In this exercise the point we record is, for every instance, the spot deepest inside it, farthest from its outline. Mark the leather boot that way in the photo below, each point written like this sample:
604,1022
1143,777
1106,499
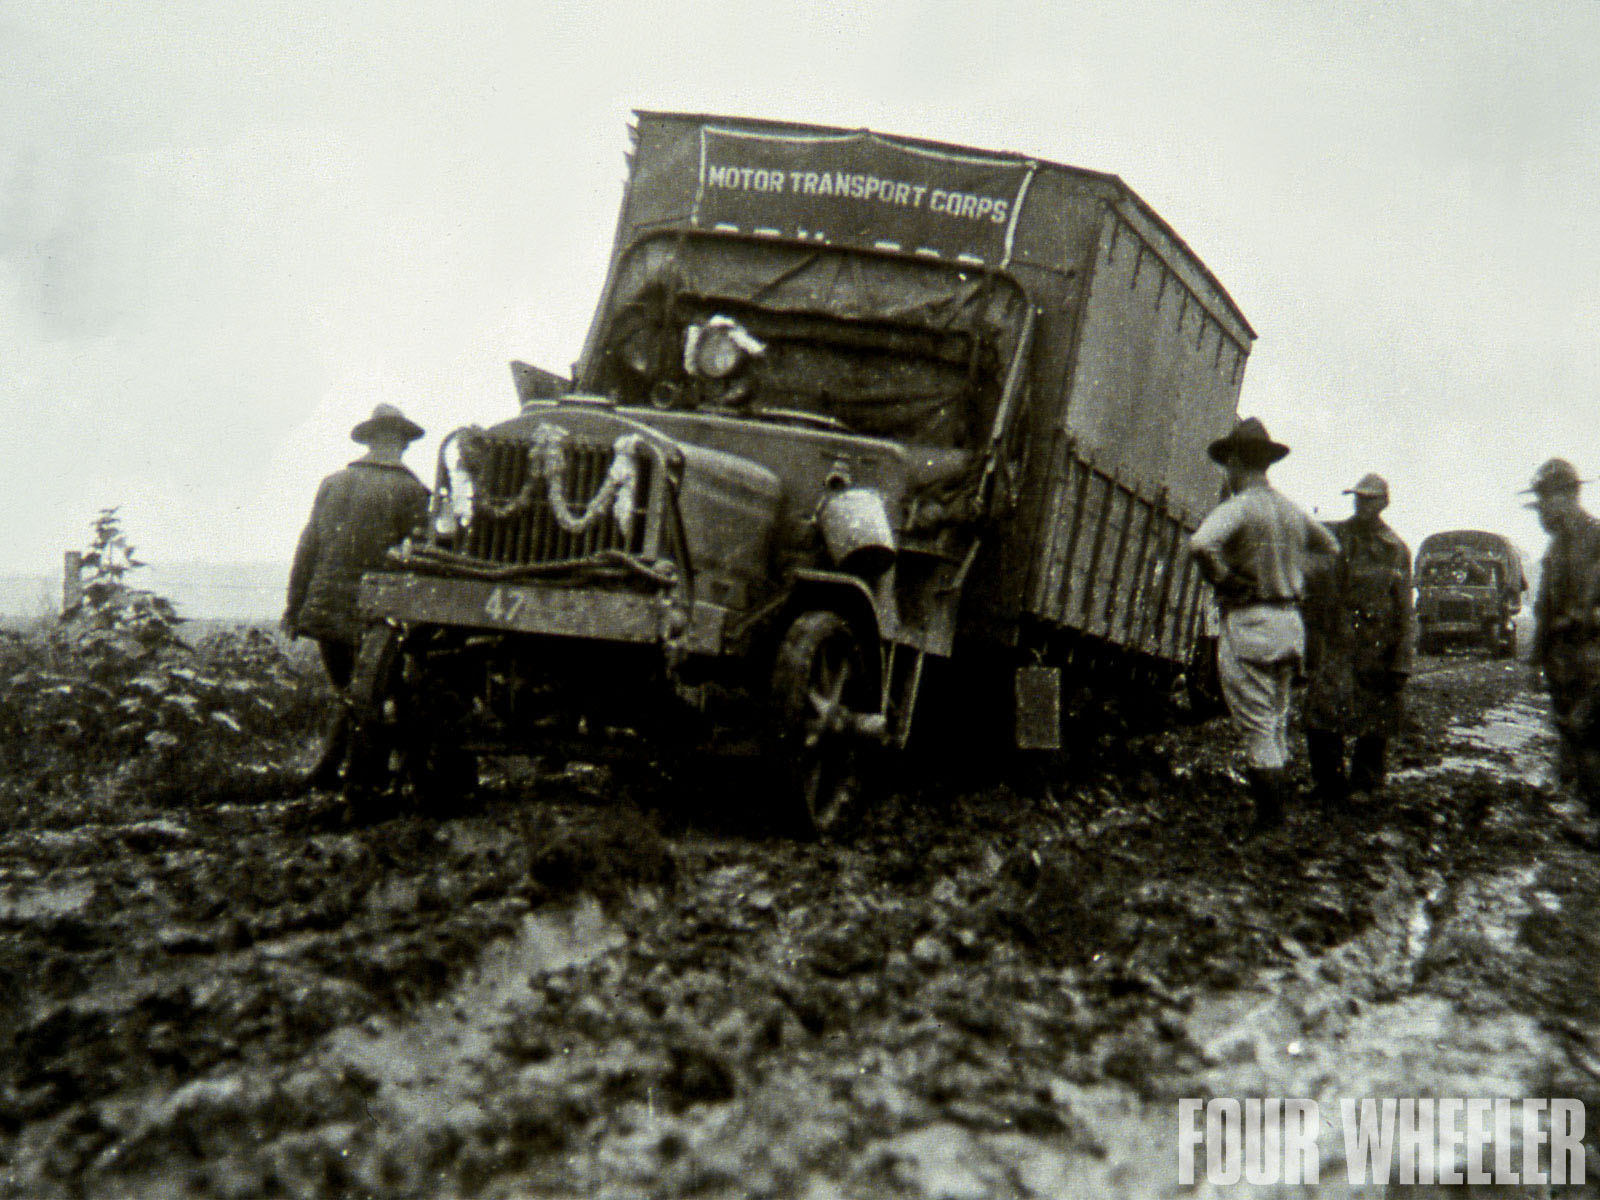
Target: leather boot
1267,786
1586,777
1367,766
1325,751
328,771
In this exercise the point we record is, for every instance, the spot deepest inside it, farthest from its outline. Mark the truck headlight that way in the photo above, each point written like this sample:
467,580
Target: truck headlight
718,348
856,529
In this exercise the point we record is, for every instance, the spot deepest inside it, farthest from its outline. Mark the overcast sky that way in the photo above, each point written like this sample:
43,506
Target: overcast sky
227,230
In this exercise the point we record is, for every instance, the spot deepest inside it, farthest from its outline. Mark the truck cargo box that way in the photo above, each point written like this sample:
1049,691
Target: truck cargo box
1135,351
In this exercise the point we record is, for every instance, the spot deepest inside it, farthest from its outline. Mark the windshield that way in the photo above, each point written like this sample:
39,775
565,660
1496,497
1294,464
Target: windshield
879,346
1460,572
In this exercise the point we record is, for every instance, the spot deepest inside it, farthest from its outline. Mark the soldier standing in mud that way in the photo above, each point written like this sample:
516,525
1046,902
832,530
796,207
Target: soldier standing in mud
1566,631
1360,640
1255,550
359,513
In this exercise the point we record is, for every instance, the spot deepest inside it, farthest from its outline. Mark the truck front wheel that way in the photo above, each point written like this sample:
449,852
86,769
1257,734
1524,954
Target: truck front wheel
374,716
401,730
1505,641
820,683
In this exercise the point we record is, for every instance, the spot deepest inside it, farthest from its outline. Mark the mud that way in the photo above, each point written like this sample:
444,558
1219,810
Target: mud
998,992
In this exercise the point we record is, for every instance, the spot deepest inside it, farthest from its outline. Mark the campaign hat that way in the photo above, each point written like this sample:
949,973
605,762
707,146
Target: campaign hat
1554,475
386,418
1250,442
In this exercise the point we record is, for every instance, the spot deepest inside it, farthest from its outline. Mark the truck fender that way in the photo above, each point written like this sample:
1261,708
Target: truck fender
851,598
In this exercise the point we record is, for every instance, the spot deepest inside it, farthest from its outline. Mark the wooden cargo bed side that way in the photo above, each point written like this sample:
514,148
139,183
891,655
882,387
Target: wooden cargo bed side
1155,377
1119,569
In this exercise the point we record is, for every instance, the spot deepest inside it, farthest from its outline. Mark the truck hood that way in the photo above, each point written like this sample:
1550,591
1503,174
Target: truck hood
798,463
727,505
752,492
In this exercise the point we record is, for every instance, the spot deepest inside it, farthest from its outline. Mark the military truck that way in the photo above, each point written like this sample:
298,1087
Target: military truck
1469,590
860,420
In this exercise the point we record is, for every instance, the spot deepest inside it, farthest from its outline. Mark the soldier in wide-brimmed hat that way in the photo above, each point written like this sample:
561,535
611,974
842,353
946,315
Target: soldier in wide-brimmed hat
1360,639
360,512
1566,622
1247,443
1255,549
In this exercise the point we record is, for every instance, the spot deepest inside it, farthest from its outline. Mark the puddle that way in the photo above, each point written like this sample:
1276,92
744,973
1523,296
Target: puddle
1457,764
1511,742
1491,908
47,902
1510,727
425,1064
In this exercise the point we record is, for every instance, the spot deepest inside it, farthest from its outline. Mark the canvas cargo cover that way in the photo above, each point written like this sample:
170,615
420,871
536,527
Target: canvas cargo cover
878,191
1477,543
860,189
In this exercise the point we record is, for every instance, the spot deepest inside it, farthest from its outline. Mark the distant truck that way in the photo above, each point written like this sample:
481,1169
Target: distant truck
1469,590
858,418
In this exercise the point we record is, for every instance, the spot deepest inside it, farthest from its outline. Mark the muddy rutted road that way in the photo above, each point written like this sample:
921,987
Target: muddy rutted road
1000,993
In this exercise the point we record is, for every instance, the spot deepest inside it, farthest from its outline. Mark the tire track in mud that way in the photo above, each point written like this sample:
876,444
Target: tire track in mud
994,993
215,939
1434,999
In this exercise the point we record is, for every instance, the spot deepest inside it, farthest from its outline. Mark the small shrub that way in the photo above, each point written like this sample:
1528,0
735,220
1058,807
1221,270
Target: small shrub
115,686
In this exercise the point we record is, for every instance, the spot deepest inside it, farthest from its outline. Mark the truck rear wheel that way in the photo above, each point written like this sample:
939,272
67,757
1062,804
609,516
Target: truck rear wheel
819,682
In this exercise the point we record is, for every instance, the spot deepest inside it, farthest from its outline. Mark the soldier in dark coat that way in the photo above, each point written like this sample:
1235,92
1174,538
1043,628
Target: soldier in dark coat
1566,613
1360,640
360,512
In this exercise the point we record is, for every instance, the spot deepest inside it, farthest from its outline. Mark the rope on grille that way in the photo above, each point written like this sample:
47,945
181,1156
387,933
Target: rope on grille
549,461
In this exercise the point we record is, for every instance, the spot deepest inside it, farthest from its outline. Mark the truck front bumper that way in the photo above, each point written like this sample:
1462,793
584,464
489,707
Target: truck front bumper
1454,628
604,614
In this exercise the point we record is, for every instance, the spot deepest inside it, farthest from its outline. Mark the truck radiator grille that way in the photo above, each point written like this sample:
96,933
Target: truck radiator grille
1455,610
532,534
